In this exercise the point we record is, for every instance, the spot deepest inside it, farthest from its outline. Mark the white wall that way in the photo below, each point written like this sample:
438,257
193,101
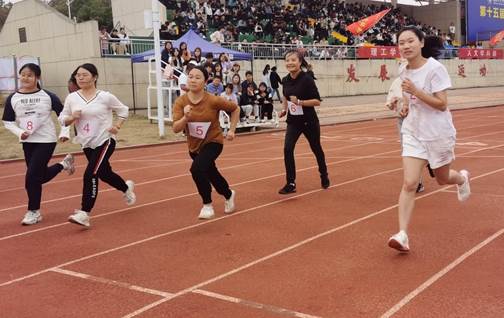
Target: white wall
130,13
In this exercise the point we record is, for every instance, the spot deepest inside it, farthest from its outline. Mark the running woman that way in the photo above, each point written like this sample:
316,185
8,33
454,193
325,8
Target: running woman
428,131
301,96
197,112
90,110
395,101
27,115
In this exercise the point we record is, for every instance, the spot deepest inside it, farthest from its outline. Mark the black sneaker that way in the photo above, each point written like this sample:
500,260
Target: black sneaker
431,172
420,188
324,181
288,188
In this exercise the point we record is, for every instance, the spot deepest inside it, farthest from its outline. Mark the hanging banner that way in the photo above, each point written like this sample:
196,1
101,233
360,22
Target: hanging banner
481,54
378,52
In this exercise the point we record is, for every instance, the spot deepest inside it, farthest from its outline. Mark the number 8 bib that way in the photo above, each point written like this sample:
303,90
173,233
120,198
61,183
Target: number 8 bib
198,129
29,123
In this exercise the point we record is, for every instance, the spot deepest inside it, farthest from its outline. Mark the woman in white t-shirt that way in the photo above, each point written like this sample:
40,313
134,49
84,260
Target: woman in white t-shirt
91,112
27,114
428,132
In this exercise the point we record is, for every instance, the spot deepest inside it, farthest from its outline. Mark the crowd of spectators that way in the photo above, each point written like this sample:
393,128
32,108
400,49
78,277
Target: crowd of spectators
297,21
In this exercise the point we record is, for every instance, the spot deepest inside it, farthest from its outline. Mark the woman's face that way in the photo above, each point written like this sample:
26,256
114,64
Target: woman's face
262,88
28,79
168,46
236,80
197,52
196,80
85,79
410,45
292,62
176,52
183,46
218,67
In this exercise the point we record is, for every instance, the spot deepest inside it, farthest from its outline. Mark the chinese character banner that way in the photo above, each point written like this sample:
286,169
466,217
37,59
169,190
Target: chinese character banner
484,19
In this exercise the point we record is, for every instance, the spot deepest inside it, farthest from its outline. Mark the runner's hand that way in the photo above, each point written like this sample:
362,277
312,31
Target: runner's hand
282,113
230,135
188,111
404,111
25,135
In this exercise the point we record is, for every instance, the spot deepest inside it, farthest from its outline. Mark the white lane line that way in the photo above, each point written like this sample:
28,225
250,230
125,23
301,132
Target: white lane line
111,282
285,250
439,275
192,226
247,303
180,176
179,197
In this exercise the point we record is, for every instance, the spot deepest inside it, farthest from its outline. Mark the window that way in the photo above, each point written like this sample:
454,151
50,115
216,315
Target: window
22,35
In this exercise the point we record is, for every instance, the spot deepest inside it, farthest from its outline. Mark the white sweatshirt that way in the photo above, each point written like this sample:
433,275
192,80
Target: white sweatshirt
96,117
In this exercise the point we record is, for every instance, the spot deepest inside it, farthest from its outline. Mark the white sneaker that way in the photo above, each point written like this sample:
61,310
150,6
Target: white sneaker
464,190
207,212
79,217
400,242
129,195
32,217
229,205
68,164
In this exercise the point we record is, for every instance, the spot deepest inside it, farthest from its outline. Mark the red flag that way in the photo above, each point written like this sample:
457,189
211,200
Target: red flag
497,38
366,23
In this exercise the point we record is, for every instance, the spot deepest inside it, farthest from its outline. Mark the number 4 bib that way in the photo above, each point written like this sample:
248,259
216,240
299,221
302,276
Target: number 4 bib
295,109
86,128
198,129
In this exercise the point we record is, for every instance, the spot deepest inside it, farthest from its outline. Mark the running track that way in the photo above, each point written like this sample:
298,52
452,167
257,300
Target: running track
318,253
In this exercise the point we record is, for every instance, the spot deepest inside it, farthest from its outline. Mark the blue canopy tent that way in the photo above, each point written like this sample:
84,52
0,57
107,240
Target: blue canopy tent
193,41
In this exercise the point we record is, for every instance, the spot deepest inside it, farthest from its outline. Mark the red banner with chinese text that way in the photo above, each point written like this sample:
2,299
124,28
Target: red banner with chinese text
482,54
378,52
366,23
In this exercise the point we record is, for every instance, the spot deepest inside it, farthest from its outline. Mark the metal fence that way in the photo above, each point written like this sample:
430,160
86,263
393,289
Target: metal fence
258,50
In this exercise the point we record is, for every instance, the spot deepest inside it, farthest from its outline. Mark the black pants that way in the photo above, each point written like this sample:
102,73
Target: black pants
205,174
99,168
267,111
37,156
311,131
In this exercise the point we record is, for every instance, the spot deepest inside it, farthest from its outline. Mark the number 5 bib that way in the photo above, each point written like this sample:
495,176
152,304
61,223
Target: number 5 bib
198,129
295,109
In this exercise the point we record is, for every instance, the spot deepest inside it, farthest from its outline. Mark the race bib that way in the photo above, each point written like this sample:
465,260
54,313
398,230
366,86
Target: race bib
87,128
295,109
198,129
30,123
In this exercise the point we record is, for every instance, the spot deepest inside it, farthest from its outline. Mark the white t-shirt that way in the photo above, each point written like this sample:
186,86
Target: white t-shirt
231,98
96,117
31,113
423,121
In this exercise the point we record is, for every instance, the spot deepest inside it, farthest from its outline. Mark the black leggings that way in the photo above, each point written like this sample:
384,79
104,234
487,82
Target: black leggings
37,156
99,168
205,174
311,130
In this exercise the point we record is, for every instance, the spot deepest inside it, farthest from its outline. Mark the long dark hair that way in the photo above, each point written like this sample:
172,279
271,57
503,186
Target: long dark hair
300,55
432,44
91,68
35,69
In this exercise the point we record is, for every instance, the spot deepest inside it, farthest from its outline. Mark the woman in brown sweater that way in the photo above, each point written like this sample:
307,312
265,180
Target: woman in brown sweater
197,112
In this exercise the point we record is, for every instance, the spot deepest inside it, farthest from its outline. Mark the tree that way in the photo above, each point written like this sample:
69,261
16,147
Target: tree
4,12
85,10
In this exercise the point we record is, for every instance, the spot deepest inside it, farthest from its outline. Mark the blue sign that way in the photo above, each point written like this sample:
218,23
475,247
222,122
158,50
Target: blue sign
484,19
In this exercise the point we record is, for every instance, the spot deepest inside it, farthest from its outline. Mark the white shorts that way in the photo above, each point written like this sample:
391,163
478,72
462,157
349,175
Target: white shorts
437,152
